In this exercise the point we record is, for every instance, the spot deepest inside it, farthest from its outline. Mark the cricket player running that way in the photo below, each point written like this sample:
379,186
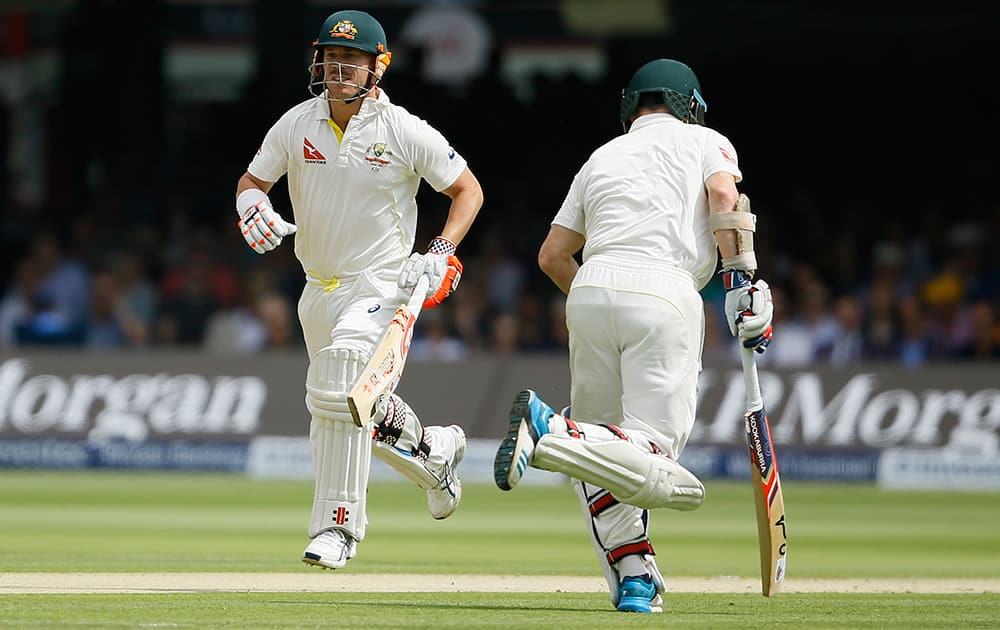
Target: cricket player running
644,209
354,161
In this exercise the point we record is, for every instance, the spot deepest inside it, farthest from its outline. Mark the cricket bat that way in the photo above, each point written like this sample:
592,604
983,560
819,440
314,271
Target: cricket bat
385,367
766,484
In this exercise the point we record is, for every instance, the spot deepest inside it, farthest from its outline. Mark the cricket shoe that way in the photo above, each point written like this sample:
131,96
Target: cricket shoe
636,594
443,499
528,422
330,550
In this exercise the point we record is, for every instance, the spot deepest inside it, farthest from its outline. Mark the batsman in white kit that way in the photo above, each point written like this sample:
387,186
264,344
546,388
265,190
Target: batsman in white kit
650,209
354,161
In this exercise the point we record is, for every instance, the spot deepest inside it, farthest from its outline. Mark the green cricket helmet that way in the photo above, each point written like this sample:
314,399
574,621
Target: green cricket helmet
675,82
353,29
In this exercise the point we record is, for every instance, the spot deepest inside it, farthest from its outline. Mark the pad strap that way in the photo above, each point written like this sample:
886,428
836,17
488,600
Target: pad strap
601,503
643,547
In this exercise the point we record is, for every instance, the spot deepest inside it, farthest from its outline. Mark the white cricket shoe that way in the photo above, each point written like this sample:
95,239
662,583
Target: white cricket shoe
443,499
330,550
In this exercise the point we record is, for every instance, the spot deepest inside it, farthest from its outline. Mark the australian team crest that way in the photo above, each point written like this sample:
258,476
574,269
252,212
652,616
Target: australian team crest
345,29
378,155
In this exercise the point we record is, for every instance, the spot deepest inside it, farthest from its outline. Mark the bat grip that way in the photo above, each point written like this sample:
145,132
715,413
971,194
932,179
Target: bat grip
755,401
418,296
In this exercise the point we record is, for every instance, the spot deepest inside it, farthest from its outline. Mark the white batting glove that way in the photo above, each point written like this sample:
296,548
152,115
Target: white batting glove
441,266
262,227
749,309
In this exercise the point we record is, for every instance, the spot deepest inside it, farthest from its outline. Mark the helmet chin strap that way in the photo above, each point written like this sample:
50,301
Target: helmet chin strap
350,99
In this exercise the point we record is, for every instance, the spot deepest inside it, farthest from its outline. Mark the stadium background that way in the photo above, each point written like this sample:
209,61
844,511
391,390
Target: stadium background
866,137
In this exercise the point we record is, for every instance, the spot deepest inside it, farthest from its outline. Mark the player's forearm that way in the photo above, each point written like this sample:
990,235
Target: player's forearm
556,256
248,181
466,200
559,265
464,208
561,270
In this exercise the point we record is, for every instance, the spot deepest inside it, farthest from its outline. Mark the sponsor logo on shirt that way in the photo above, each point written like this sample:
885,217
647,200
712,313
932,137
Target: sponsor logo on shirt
378,155
726,154
451,153
311,153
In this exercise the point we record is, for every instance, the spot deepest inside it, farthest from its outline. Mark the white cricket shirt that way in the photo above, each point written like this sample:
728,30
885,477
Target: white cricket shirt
353,198
640,199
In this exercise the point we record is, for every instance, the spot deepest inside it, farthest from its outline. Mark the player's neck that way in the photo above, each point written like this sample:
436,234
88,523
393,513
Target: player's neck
341,112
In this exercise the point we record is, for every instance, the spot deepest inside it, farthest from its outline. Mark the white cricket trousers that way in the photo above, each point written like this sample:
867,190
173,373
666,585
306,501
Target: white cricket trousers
353,315
635,344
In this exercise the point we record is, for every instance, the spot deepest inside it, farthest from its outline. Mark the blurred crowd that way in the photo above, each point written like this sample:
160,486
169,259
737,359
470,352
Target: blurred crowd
135,245
903,306
908,298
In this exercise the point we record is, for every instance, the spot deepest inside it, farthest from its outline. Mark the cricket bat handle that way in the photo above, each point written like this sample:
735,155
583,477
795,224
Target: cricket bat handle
416,302
755,401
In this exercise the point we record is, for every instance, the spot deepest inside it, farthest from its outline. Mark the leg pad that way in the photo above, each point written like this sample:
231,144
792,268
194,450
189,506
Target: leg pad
632,475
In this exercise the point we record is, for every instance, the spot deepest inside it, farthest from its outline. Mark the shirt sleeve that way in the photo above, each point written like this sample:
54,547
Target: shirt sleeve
432,157
271,160
570,215
720,156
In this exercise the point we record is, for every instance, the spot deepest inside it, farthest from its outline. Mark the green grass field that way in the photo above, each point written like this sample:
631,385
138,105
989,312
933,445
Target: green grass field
81,522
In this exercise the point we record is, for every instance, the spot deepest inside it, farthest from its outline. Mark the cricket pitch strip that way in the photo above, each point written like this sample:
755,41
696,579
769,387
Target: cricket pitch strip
340,582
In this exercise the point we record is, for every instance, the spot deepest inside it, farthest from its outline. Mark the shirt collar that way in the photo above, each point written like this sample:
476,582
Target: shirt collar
322,110
653,119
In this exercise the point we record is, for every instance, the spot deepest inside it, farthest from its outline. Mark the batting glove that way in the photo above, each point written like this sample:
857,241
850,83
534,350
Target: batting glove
261,226
441,266
749,310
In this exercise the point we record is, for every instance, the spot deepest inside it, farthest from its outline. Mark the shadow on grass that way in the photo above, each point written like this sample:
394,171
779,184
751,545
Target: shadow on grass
514,606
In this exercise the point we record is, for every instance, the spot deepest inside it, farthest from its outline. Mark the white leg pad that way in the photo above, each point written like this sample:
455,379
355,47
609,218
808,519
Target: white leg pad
403,444
632,475
405,463
621,525
341,451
